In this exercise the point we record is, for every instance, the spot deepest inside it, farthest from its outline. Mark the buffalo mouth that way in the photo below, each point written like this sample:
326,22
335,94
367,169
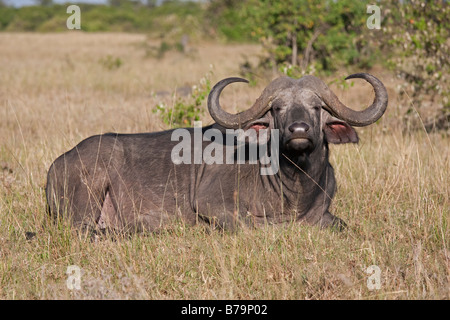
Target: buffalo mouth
299,144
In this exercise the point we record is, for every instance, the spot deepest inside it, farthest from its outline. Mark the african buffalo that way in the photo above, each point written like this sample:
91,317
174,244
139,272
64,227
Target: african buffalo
130,182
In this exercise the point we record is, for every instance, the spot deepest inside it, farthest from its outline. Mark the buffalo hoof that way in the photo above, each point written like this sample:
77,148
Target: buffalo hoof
330,221
338,224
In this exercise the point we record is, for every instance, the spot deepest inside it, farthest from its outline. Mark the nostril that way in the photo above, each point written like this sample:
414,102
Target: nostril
304,126
299,126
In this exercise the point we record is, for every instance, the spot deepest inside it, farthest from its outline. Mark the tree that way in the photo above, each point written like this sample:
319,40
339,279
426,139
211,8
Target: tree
151,3
307,34
416,42
45,3
120,3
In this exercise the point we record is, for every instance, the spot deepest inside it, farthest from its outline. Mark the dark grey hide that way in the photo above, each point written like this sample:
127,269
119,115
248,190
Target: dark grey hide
128,182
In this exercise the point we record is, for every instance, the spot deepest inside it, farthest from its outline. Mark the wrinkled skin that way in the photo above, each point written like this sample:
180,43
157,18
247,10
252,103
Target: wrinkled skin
128,182
305,173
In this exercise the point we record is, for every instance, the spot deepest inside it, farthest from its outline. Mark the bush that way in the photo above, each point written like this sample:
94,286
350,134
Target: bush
29,18
6,16
127,16
185,111
111,63
416,42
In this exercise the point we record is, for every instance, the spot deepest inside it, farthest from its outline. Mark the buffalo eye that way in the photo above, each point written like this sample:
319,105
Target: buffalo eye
277,107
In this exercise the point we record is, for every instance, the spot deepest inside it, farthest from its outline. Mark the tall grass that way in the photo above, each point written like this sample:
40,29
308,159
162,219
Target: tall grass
393,189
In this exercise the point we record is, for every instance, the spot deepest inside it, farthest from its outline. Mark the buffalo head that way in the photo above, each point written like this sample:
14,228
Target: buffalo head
305,111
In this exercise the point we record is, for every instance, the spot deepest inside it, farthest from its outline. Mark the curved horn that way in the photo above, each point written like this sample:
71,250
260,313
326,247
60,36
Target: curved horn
234,121
353,117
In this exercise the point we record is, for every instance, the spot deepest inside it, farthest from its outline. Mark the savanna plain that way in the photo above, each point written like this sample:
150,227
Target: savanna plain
57,89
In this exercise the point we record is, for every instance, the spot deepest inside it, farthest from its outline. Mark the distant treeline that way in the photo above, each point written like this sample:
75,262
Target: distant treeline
298,36
127,16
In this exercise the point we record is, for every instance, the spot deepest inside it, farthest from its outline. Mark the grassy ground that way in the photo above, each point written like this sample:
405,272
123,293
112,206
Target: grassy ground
57,89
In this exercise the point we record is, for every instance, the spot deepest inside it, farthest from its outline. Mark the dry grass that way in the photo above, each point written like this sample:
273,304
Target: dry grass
54,91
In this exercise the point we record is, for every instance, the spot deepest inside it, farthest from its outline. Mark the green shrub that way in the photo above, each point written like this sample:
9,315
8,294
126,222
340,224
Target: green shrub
29,18
111,63
185,111
308,32
6,16
417,45
127,16
56,23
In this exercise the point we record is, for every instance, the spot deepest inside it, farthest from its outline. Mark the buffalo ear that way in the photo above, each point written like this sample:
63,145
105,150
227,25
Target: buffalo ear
337,131
340,132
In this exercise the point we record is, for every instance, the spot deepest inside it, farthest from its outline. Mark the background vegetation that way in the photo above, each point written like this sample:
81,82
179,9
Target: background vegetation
298,36
58,87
